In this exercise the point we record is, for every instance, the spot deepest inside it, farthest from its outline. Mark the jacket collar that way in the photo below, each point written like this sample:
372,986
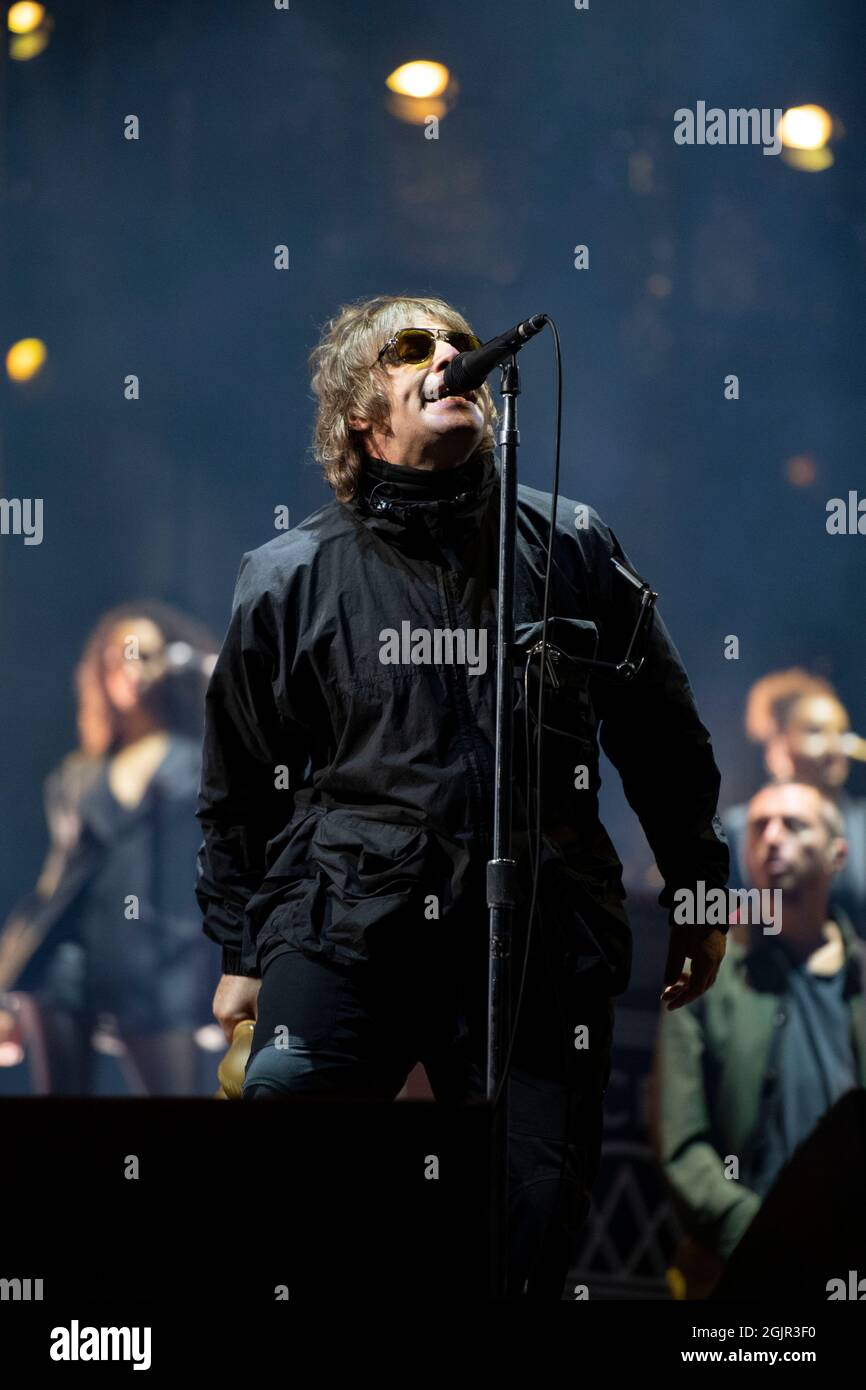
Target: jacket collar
391,488
412,506
766,962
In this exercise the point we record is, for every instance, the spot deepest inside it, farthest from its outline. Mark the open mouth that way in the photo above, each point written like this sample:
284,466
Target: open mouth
471,397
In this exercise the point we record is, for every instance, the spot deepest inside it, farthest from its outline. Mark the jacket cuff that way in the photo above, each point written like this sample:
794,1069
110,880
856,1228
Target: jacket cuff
233,963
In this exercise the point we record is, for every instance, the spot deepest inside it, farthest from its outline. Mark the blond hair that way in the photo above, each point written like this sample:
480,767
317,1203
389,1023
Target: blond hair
347,379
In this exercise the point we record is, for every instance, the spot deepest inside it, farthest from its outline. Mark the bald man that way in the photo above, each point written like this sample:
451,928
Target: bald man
804,741
744,1073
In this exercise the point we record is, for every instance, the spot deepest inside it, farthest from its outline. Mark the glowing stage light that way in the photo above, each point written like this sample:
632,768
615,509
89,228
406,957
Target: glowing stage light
419,79
24,17
210,1038
800,470
29,31
419,90
806,127
415,110
25,46
25,359
811,161
805,133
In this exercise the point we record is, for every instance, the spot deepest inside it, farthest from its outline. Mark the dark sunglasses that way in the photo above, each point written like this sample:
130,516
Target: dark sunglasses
416,346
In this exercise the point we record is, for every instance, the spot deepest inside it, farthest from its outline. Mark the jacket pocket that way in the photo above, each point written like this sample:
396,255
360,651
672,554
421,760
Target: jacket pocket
380,879
568,713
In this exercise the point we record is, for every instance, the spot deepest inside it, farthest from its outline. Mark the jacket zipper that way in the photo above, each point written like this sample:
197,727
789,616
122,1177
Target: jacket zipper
467,723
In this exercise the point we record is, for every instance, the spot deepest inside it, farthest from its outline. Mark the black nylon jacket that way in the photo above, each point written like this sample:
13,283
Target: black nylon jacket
380,838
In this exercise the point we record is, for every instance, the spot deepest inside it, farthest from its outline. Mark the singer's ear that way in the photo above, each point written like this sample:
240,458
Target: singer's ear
359,423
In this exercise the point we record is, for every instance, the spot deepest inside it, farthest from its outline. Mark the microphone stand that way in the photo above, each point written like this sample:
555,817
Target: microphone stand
501,869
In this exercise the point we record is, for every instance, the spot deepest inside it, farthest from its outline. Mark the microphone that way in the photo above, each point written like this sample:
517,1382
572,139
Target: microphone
469,370
848,744
180,655
853,746
175,658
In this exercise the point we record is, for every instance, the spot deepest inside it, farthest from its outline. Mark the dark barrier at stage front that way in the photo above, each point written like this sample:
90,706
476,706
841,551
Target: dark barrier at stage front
139,1204
809,1237
205,1163
318,1199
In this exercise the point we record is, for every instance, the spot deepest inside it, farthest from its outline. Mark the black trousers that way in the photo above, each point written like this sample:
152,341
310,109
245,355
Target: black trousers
327,1030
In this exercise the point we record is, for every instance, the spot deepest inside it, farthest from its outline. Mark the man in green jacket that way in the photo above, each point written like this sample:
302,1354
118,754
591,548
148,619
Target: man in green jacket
744,1073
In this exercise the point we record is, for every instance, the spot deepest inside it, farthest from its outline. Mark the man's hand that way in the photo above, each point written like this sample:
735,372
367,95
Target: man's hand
236,998
705,947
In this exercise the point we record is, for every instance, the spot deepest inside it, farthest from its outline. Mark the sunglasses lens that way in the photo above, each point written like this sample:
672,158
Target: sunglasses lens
414,345
464,342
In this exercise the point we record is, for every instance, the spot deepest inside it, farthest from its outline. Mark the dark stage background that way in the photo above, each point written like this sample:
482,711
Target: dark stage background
262,127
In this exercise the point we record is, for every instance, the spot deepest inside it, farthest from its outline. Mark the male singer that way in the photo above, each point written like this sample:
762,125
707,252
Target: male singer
347,785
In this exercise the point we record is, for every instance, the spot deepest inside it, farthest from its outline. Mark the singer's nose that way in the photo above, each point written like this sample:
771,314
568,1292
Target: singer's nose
442,355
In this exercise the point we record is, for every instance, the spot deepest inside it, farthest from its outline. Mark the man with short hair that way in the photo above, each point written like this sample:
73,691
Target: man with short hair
746,1072
806,735
347,786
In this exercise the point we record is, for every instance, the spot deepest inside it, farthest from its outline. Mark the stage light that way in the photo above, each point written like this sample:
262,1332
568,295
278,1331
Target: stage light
30,30
416,110
812,161
419,79
420,90
24,17
806,127
805,132
210,1038
800,470
25,359
659,286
